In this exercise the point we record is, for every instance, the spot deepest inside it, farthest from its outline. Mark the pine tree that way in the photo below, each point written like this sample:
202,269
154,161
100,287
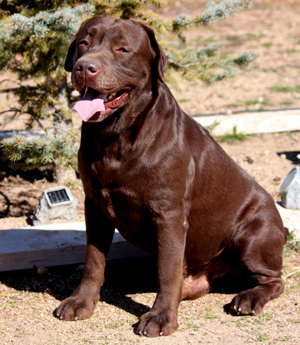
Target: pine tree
33,46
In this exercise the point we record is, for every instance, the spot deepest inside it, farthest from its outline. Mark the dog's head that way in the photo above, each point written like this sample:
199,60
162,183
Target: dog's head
112,62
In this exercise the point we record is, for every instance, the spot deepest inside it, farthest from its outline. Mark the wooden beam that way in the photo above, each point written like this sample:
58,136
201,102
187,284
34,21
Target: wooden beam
53,245
252,122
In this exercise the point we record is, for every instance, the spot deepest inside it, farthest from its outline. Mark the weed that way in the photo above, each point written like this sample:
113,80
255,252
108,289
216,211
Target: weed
292,243
194,327
292,51
73,184
284,338
256,101
263,319
235,136
210,316
235,105
287,102
212,126
285,89
184,100
263,337
267,44
113,325
241,324
272,69
235,40
211,39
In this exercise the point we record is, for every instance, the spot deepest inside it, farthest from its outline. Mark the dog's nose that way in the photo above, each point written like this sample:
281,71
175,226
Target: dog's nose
87,68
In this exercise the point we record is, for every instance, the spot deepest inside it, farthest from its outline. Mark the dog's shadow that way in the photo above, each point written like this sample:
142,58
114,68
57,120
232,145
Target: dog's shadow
131,276
122,277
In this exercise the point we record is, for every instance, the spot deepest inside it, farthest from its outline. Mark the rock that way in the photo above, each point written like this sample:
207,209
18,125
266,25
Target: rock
277,180
289,190
56,205
291,220
41,271
249,160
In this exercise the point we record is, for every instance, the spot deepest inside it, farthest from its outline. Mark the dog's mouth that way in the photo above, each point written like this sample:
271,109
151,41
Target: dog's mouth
93,104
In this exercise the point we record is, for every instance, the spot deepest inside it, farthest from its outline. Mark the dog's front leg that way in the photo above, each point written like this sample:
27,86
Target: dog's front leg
162,317
81,304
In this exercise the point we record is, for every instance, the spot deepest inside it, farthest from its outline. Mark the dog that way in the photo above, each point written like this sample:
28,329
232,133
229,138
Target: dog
156,175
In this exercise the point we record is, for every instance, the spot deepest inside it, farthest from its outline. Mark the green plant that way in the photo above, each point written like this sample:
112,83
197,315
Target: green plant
235,136
113,325
292,243
259,100
287,102
267,44
262,337
184,100
292,51
285,89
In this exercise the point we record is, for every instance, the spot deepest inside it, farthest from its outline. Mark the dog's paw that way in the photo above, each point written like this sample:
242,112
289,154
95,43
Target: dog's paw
75,308
153,324
245,303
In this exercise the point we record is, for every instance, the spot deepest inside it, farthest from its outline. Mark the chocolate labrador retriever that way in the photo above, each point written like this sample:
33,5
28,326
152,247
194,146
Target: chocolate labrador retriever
152,172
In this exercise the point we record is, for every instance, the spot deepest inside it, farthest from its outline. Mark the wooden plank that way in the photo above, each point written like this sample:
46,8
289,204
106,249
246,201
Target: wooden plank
251,123
53,245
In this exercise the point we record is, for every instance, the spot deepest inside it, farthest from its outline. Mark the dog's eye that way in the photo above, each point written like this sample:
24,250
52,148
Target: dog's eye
121,50
83,43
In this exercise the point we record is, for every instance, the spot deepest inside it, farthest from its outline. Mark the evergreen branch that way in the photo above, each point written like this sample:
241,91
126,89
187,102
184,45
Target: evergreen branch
243,60
223,9
9,80
65,20
16,89
213,11
155,3
8,90
177,65
15,110
29,153
41,123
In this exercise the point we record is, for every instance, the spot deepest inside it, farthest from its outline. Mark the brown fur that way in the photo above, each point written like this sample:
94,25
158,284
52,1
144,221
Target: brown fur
153,173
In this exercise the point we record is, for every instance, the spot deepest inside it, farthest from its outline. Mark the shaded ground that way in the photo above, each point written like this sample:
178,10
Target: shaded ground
27,302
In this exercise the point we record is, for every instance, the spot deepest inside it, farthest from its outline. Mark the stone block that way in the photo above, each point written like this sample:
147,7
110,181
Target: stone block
56,205
290,190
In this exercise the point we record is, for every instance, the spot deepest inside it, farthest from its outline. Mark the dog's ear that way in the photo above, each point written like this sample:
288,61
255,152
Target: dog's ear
160,57
69,62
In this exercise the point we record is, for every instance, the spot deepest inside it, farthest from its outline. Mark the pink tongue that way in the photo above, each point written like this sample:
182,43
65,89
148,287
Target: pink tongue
90,104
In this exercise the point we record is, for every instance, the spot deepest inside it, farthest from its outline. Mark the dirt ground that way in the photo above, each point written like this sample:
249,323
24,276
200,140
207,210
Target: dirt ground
27,300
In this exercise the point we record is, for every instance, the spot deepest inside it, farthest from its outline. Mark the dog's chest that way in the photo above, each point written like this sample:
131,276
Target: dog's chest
120,203
120,192
124,207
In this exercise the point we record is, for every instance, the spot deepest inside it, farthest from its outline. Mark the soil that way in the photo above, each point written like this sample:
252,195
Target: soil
27,299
